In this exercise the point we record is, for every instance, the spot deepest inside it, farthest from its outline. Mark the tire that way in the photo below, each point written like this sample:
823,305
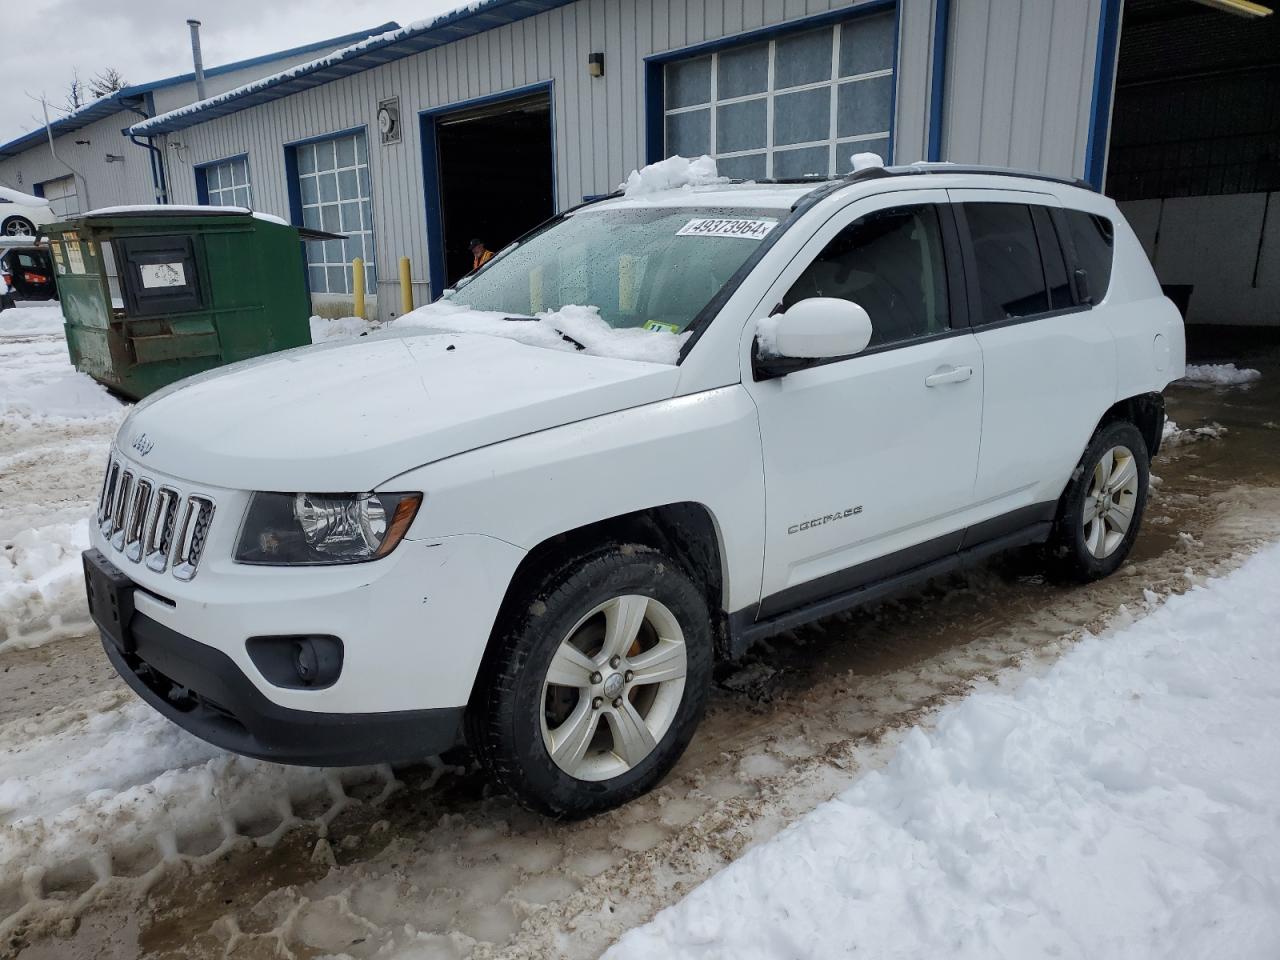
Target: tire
18,227
1090,539
616,730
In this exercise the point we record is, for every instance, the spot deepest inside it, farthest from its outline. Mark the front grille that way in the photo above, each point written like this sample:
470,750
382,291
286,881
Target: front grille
147,520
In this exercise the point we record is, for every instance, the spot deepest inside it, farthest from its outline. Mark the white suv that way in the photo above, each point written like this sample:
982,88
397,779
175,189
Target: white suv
536,529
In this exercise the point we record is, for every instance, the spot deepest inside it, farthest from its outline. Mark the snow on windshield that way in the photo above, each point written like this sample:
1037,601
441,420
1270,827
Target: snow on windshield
672,173
550,329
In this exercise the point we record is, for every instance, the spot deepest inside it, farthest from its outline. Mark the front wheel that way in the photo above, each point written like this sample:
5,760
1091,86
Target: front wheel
596,684
1101,509
18,227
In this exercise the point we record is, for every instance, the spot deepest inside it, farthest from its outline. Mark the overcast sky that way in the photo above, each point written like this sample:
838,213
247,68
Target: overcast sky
42,43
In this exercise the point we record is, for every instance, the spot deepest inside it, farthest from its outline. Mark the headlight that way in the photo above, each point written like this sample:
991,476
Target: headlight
313,528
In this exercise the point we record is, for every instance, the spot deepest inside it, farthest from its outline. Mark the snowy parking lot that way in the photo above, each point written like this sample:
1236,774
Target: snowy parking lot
995,766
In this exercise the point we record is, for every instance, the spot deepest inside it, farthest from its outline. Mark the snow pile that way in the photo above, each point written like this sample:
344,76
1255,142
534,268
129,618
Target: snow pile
549,330
866,161
42,585
672,173
1220,374
1172,433
324,329
1121,806
44,320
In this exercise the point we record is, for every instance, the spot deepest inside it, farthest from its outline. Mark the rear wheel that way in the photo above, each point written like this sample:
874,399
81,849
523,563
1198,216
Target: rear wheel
18,227
1101,509
596,684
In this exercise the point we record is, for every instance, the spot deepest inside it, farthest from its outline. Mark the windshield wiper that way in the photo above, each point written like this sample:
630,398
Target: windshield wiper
563,336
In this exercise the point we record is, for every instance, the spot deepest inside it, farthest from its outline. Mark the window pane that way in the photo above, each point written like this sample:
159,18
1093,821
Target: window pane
242,196
329,218
866,45
802,117
364,181
315,276
310,192
740,126
743,71
864,106
311,217
315,251
350,216
352,248
1055,265
348,185
306,158
750,167
346,151
1094,240
845,152
368,214
211,178
689,134
689,82
805,58
1009,274
807,161
337,279
362,152
328,187
324,155
890,263
238,174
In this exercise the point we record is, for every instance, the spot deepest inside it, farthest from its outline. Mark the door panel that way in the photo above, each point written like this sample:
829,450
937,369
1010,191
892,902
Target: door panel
875,453
1049,377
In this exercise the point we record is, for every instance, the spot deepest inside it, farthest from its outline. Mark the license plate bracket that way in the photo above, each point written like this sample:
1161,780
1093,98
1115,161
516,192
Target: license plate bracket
110,595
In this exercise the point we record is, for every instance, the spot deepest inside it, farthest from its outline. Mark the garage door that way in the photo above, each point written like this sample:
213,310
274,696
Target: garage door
61,195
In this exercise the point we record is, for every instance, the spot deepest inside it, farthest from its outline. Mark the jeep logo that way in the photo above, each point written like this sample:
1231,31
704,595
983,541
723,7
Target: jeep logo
142,444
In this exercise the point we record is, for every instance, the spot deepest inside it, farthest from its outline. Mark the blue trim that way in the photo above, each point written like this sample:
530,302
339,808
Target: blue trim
37,189
431,168
114,103
334,135
201,172
938,77
367,54
654,81
1104,75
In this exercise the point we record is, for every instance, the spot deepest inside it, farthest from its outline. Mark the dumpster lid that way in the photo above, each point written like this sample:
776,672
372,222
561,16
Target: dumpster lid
182,210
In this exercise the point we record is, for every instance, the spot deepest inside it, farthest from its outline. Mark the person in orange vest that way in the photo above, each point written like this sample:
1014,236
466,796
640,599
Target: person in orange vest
480,254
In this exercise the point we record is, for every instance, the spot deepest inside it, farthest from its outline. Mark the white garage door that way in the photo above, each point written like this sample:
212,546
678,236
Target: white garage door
61,195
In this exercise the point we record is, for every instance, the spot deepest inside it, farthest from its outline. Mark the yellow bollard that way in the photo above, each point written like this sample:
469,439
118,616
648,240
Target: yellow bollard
406,287
357,286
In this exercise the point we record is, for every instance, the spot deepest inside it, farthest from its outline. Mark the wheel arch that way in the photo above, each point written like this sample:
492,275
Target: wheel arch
1145,411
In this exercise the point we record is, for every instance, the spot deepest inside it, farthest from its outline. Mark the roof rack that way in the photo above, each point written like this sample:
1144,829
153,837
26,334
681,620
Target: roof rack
873,173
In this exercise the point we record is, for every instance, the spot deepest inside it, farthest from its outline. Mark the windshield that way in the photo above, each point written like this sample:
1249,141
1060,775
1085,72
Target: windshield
647,267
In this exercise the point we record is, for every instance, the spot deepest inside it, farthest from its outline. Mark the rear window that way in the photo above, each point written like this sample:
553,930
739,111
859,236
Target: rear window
1094,240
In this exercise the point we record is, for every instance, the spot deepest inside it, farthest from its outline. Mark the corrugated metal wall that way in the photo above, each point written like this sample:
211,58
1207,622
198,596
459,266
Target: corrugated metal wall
1019,87
599,124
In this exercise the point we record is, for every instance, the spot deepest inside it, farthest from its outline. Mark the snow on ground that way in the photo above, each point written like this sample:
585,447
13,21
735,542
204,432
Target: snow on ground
549,330
1173,433
1220,374
1123,805
55,427
324,329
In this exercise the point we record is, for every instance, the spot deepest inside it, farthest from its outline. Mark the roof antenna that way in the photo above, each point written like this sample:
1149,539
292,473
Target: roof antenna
195,57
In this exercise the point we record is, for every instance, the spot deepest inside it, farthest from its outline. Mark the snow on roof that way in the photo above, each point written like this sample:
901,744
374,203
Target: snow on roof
136,208
115,102
476,17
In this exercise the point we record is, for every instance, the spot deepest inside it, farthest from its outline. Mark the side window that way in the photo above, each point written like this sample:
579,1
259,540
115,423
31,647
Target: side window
890,263
1010,277
1094,240
1055,261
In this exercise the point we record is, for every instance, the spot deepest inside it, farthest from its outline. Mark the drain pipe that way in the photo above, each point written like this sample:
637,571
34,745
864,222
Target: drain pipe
196,58
53,150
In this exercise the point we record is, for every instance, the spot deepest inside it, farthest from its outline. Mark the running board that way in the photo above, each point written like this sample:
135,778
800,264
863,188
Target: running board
744,631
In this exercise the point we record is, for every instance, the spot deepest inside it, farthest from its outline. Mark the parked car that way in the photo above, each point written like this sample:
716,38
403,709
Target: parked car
29,271
496,537
21,214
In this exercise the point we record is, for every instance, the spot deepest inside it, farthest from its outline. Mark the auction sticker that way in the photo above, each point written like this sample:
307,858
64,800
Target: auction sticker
720,227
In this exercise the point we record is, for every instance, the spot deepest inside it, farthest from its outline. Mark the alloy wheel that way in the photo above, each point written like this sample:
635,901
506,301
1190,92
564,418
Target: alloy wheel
1110,502
613,688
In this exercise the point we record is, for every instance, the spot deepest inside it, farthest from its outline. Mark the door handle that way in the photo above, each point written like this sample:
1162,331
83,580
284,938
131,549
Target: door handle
949,375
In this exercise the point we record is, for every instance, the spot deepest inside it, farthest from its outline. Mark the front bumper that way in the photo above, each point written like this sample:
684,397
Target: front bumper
203,691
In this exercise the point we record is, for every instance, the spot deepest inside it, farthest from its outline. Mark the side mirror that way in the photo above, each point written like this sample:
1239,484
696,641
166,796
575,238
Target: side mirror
820,328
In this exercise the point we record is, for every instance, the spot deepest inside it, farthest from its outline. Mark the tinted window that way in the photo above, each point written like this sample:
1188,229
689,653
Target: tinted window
1010,278
891,263
1094,240
1055,261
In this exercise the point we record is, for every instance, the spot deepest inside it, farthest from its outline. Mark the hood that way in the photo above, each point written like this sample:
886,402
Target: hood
346,417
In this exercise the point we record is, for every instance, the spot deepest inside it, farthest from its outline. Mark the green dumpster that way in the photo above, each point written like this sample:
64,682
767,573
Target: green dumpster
154,294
